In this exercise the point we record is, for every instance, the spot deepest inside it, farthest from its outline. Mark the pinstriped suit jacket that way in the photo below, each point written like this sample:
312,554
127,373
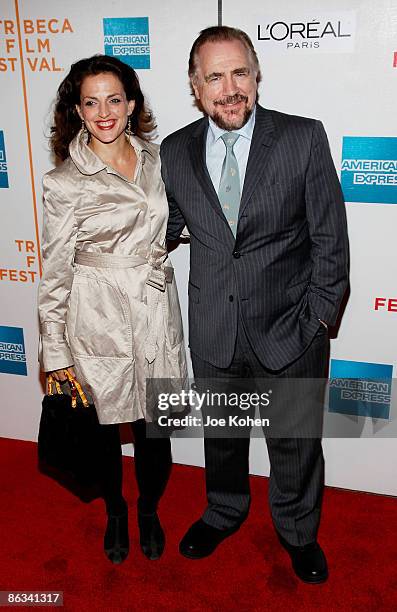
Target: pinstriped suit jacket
287,267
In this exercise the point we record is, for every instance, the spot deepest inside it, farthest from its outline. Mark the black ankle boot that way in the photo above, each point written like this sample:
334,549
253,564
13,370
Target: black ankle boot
152,538
116,541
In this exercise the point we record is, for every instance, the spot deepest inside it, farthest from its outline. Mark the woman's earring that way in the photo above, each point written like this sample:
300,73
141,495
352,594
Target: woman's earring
83,127
128,128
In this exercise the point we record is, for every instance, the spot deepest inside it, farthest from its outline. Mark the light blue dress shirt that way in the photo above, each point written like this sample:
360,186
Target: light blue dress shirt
216,150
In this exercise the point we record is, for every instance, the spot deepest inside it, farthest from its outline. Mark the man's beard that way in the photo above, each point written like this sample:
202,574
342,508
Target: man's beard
228,124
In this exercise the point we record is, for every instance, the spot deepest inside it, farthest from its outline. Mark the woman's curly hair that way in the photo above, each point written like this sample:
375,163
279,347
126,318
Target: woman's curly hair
67,122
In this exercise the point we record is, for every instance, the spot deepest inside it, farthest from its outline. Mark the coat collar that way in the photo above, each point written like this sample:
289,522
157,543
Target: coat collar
88,163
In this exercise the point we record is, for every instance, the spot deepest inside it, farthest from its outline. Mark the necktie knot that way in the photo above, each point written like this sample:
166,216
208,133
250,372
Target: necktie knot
230,138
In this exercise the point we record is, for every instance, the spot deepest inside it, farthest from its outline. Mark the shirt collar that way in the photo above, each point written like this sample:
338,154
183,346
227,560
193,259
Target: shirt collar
246,131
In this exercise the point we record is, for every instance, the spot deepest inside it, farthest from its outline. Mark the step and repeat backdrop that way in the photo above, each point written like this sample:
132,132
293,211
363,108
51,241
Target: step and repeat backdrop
333,61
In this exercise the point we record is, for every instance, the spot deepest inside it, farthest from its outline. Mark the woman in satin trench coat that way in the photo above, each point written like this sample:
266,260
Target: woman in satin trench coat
108,303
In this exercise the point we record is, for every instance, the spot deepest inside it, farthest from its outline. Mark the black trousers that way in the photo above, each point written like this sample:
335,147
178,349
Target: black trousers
152,468
296,463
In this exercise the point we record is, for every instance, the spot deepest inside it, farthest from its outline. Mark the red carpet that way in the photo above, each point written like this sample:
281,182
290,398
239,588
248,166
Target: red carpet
52,541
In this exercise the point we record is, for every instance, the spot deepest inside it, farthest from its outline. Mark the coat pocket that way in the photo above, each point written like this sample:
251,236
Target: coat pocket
99,319
111,383
298,291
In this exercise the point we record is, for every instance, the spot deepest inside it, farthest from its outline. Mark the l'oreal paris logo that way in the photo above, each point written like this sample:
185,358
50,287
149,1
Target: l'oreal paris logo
330,32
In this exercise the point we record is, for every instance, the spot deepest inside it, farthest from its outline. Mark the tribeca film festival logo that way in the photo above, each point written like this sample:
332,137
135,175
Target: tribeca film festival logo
128,40
3,162
360,389
324,33
25,274
369,169
36,39
385,304
12,351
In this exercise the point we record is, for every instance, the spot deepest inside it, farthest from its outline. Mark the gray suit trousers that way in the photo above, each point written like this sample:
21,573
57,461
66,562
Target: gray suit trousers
296,463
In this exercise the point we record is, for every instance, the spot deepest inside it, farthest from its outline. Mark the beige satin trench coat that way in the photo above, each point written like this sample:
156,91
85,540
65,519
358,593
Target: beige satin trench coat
108,301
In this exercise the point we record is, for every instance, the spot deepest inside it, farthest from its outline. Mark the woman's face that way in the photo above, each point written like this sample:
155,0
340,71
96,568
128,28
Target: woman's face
104,107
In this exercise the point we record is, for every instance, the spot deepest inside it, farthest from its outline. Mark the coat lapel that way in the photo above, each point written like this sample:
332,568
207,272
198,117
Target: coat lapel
196,149
263,140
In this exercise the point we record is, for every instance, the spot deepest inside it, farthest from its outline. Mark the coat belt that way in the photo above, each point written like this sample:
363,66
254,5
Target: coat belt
108,260
159,275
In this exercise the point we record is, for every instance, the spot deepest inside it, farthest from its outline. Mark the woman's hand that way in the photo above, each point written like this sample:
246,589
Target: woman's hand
60,375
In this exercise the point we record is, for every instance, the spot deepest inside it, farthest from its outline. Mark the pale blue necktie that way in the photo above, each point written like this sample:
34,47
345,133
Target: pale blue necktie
229,187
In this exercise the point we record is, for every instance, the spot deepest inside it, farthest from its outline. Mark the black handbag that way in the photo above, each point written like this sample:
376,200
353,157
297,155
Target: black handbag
69,441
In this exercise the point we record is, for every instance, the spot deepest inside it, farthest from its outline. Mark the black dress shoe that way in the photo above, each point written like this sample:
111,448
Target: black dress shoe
202,539
152,538
309,562
116,540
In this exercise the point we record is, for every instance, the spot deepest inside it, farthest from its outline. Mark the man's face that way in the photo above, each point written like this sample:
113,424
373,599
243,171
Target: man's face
225,83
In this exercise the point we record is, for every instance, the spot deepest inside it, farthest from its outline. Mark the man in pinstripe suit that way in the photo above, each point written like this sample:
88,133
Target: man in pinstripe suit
266,278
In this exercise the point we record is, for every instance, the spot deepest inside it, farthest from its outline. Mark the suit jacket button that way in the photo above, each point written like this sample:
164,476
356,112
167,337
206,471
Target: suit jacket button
231,298
236,254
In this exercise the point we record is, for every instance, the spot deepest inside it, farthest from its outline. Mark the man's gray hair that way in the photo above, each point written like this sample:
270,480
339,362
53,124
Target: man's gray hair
221,34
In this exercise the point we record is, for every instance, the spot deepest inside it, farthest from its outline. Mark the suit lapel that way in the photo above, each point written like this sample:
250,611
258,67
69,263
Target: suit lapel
196,149
263,140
